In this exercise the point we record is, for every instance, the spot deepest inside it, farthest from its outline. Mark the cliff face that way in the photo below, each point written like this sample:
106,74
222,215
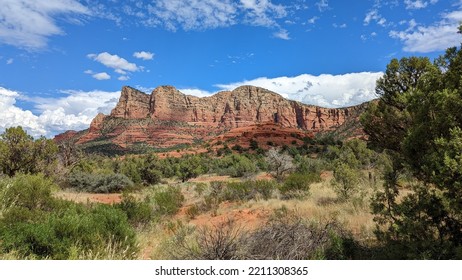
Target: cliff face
133,104
168,117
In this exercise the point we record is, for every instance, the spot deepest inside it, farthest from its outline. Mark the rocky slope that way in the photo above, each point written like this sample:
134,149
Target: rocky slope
167,117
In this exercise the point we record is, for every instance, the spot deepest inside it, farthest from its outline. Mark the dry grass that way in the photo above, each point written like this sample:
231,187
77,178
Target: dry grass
322,205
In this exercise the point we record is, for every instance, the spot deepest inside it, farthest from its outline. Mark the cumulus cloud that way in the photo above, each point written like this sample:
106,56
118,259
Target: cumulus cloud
323,90
14,116
144,55
436,37
74,111
114,61
28,23
101,76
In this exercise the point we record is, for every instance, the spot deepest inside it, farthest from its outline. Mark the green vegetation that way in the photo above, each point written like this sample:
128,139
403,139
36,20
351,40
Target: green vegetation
19,152
36,225
417,123
397,195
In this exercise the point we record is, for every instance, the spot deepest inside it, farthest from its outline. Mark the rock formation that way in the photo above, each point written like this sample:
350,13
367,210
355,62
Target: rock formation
168,117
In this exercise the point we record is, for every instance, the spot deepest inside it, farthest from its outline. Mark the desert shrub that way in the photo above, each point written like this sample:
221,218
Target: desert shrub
190,167
239,191
222,241
309,165
71,232
289,237
138,212
236,166
346,180
298,185
167,201
265,188
200,188
286,236
99,183
132,169
253,144
237,148
151,176
28,191
193,211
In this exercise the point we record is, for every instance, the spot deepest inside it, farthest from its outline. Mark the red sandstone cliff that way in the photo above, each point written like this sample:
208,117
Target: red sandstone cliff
168,117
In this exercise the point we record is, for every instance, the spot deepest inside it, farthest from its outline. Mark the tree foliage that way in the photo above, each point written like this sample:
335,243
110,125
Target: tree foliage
19,152
418,122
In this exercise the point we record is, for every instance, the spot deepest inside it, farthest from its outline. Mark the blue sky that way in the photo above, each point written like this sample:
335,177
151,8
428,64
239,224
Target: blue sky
64,61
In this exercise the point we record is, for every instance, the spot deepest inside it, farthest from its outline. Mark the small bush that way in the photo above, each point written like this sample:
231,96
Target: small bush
221,241
346,180
288,237
138,212
238,191
265,188
247,190
99,183
28,191
151,176
193,211
168,201
298,185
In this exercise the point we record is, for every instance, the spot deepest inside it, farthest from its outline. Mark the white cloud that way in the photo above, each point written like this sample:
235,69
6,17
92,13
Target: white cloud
9,61
101,76
14,116
194,92
28,23
262,12
373,15
123,78
282,34
418,4
323,5
210,14
436,37
74,111
114,61
313,20
323,90
191,15
144,55
343,25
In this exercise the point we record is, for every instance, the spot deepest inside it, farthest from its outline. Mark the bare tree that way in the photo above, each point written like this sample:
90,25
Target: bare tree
279,164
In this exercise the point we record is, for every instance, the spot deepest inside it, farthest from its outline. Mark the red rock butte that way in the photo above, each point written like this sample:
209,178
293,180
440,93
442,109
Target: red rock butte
167,117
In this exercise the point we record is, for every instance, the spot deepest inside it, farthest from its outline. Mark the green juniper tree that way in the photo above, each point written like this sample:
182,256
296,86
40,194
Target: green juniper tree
418,121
